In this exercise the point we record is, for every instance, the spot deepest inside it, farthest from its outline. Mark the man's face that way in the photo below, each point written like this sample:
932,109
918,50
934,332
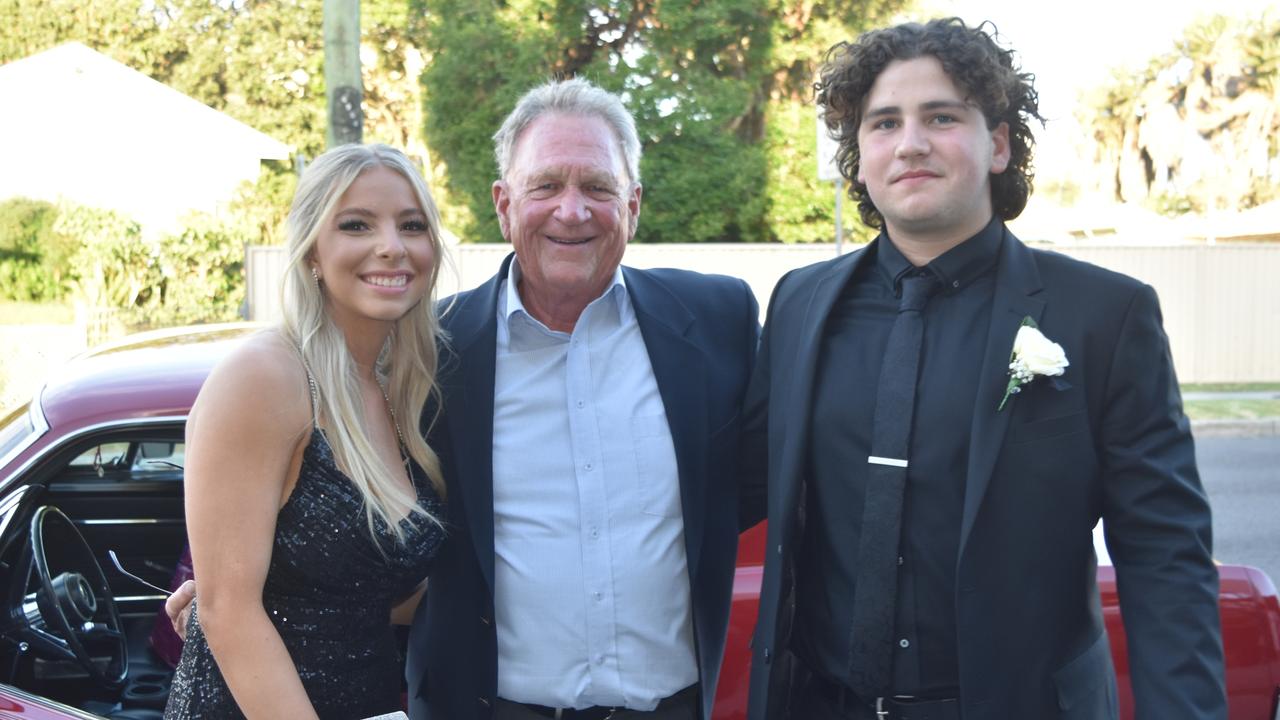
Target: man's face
568,206
927,155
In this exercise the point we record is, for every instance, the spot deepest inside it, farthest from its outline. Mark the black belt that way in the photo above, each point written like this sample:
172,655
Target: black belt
605,713
888,708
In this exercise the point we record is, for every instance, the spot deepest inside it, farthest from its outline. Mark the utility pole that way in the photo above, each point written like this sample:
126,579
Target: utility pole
343,89
827,172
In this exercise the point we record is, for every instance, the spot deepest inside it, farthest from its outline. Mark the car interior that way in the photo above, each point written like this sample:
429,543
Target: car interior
76,629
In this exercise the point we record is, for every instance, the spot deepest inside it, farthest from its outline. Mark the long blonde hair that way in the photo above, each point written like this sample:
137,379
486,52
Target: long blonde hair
407,363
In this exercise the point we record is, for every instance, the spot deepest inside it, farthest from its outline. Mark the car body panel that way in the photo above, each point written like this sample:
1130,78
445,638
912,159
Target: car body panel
1250,615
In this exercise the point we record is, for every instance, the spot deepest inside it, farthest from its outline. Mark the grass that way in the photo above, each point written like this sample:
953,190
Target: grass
1230,387
1231,409
28,313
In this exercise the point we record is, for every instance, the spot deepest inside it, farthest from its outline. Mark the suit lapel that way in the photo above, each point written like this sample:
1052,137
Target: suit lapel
1017,282
797,388
680,369
468,391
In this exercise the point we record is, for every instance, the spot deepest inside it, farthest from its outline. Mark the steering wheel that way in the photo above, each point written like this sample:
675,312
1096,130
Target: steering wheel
72,615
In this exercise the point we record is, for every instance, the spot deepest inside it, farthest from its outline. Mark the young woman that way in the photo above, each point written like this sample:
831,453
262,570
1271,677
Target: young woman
312,500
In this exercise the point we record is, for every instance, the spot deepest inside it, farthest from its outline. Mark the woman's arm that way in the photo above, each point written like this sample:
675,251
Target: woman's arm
242,435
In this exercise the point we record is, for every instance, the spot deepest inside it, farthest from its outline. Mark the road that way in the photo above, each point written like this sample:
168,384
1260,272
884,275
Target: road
1242,477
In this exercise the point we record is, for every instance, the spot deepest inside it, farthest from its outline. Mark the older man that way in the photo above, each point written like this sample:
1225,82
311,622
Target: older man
589,439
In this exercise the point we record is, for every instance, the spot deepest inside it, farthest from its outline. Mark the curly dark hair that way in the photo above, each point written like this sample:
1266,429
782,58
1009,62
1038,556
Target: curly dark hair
982,70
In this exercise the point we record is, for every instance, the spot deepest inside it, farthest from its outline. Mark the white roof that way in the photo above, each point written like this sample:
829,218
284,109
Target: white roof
74,89
81,126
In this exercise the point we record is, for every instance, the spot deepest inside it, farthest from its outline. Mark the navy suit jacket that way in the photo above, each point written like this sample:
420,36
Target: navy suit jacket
1108,439
701,333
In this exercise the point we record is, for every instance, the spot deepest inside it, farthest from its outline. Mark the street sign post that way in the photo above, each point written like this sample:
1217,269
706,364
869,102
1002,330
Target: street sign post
827,172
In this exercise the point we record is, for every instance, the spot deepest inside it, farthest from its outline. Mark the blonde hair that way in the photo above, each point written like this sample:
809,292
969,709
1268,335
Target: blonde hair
407,363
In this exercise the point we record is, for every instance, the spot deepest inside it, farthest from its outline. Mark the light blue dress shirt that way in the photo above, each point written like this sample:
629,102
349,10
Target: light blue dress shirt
591,583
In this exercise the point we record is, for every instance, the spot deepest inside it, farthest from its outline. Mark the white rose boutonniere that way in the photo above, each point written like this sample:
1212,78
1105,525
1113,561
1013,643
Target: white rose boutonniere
1033,355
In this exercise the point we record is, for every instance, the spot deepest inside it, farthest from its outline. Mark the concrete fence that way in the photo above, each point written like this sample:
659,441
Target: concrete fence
1221,302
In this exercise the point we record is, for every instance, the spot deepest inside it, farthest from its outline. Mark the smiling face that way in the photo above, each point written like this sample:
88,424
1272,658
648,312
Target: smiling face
927,155
568,207
374,254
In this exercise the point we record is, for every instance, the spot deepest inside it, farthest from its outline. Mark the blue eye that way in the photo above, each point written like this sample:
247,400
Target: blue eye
353,226
414,226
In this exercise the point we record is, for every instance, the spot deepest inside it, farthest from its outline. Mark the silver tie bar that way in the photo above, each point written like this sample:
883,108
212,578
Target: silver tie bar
893,462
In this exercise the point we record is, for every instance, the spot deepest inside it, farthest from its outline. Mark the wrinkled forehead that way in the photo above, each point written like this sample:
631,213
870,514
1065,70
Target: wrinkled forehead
560,144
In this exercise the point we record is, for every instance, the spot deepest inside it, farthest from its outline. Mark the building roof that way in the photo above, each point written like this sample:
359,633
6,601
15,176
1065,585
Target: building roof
81,126
78,89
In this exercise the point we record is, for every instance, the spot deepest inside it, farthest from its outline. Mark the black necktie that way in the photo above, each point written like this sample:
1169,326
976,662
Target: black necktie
871,654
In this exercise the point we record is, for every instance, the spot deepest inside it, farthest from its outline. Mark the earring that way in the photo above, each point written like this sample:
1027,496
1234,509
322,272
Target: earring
315,276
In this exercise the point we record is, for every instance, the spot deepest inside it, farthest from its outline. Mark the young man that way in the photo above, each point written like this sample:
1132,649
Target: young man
931,507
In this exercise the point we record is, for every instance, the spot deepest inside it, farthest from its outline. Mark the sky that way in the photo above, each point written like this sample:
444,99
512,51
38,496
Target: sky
1072,45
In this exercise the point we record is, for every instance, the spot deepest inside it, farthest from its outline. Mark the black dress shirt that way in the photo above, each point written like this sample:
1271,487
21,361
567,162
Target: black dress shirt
955,333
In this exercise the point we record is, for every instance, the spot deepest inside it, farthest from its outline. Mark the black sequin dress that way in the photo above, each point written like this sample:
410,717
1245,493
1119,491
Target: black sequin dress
329,592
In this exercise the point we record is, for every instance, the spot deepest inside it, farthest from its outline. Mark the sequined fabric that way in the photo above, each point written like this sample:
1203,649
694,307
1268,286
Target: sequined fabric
328,592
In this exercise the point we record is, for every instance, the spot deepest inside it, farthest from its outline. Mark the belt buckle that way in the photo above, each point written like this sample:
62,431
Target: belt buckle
881,713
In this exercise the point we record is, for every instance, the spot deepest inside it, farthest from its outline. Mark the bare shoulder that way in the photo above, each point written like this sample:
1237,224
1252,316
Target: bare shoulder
261,385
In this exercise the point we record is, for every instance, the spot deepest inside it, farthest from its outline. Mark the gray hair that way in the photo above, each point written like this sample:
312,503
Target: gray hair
575,96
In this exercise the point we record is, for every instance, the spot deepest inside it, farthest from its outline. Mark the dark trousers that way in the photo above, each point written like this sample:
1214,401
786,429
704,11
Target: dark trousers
819,700
681,706
809,703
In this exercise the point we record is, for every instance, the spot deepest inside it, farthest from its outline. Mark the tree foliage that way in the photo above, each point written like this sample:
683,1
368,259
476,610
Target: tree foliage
719,91
1197,128
722,91
32,255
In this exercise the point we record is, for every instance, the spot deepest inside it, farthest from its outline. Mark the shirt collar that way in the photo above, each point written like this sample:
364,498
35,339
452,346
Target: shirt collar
955,268
512,303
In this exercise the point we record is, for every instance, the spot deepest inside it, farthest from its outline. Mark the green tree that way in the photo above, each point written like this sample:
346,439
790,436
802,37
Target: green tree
32,256
1197,127
720,92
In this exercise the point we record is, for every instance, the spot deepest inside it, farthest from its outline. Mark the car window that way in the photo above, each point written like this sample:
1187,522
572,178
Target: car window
130,460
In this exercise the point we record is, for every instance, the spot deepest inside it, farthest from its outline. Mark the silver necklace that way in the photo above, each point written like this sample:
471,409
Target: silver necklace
395,423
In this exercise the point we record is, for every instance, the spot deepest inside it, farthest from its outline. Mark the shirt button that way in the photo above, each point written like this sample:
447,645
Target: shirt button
599,659
587,467
900,560
955,283
904,643
597,595
595,532
581,404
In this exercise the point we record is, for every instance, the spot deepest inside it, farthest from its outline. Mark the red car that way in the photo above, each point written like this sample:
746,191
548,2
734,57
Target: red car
94,464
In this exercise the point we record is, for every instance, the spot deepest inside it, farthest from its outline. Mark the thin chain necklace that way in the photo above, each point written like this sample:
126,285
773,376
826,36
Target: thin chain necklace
396,423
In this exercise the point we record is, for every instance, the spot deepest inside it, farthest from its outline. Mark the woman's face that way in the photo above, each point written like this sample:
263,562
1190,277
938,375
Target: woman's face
374,254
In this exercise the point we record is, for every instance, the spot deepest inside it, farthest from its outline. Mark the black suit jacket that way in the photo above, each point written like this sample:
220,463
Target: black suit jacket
1108,440
701,333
